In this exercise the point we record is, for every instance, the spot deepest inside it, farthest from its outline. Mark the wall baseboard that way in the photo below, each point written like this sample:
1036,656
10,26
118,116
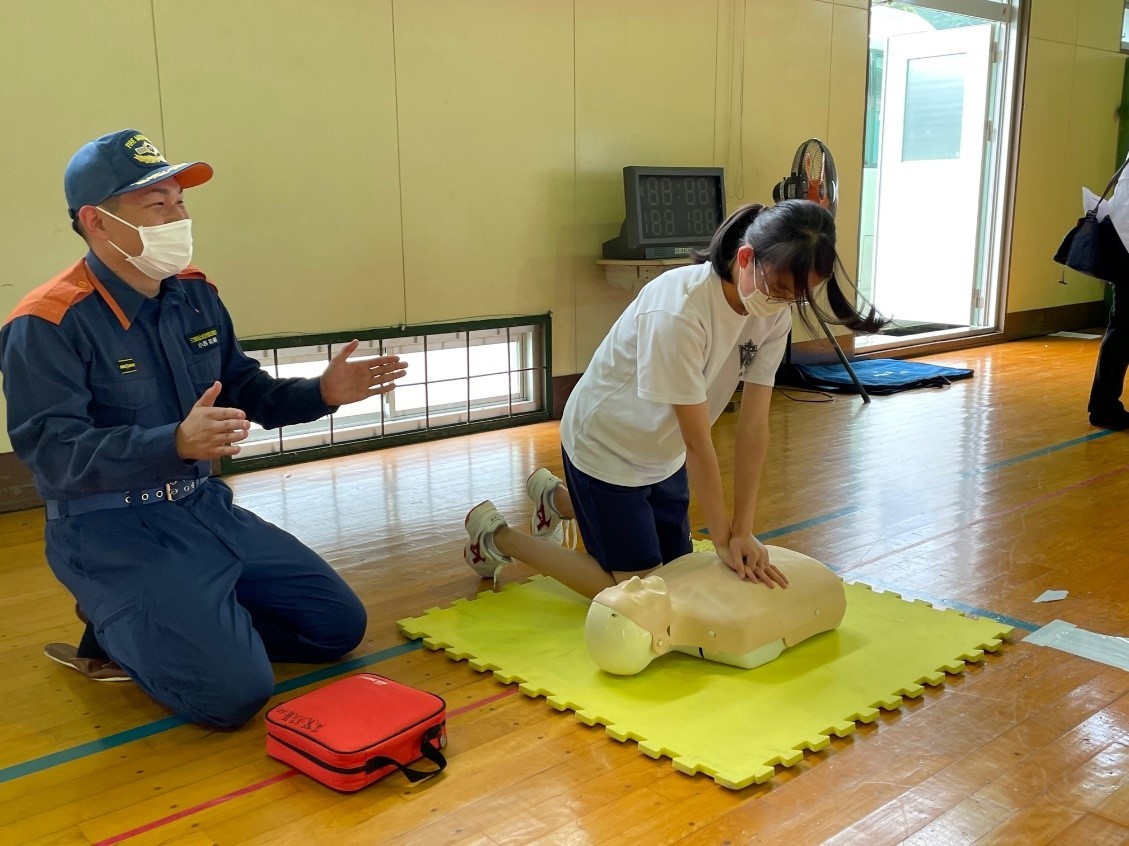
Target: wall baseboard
562,387
16,489
1045,321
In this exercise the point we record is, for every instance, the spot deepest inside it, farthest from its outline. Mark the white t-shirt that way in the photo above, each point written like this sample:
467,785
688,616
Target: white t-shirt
678,343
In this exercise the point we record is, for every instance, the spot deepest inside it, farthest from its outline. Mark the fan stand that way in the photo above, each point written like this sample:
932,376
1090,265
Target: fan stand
828,201
842,357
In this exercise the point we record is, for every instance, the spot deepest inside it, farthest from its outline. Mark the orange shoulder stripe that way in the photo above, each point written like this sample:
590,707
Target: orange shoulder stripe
54,298
193,272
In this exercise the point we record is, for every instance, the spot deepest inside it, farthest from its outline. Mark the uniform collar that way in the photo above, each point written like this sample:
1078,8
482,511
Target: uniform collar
121,296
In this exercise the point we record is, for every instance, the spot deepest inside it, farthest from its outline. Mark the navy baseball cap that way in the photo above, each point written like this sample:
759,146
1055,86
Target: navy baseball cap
120,162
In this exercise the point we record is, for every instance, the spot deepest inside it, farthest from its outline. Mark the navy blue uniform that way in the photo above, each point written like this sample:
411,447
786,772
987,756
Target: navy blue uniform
194,596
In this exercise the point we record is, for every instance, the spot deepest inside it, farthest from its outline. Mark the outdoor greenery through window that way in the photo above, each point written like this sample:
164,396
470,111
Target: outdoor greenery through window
461,378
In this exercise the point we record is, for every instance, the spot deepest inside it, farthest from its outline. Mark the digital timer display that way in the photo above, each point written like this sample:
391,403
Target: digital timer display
668,211
678,206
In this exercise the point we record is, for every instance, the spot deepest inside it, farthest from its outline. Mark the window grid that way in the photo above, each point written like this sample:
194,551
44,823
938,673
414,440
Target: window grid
509,393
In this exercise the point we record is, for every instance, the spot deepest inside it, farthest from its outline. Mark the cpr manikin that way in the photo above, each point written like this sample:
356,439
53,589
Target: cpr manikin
697,605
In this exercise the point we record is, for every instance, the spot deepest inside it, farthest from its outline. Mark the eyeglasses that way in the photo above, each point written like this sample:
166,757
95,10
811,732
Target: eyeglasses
767,290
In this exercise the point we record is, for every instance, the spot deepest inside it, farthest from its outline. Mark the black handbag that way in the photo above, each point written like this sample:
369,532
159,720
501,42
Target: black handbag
1093,247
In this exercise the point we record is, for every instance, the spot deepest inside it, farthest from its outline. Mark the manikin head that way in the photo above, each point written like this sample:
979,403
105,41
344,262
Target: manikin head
628,625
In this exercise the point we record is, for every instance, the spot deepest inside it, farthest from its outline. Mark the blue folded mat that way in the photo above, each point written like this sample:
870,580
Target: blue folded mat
878,375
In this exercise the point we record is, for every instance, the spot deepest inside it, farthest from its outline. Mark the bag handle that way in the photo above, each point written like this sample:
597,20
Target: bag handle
426,750
1114,178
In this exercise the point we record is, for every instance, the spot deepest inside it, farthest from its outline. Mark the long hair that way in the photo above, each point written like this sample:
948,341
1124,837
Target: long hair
796,236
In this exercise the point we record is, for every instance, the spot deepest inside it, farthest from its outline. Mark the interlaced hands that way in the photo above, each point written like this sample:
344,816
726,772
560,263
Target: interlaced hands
748,558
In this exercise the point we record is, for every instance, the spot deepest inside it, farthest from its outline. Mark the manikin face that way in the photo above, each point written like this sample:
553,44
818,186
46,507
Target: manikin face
622,622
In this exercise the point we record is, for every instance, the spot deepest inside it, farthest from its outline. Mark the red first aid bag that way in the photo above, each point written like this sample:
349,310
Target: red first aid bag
359,729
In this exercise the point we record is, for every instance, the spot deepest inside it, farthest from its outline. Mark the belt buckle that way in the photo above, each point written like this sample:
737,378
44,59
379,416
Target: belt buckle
182,488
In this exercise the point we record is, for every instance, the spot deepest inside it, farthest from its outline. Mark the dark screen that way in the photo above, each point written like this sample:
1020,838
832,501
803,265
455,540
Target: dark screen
678,206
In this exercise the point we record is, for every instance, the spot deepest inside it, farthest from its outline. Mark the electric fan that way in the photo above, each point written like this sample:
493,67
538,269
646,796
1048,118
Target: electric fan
813,177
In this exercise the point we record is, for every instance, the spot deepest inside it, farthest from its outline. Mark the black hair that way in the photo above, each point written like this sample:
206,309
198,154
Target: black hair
111,203
796,236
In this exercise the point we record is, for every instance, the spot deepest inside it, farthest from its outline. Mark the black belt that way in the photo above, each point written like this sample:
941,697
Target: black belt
169,492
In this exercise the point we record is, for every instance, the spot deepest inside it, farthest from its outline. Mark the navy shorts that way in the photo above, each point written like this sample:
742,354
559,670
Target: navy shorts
629,529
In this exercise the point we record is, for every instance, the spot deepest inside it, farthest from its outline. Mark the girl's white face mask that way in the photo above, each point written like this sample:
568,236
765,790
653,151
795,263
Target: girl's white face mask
165,249
758,303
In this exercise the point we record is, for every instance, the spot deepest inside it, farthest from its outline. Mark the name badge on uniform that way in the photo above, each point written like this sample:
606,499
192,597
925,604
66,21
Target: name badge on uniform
203,339
127,365
748,352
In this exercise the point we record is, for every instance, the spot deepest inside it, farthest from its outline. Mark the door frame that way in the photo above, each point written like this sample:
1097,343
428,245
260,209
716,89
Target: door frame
1005,159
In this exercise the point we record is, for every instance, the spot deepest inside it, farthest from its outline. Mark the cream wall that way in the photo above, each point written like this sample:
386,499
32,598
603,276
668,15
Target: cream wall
408,161
1068,138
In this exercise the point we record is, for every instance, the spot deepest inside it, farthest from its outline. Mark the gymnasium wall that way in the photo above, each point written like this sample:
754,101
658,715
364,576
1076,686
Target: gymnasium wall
409,161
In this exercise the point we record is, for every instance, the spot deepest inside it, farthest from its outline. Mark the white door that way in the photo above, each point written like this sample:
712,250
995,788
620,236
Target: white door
930,173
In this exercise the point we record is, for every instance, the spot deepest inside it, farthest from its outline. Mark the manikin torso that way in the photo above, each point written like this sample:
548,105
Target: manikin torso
697,605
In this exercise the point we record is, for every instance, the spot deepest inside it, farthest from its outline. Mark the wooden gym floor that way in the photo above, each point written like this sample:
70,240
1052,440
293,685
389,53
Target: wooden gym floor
981,495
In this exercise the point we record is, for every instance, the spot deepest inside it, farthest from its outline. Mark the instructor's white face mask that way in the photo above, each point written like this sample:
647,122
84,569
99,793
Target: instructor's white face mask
759,304
165,249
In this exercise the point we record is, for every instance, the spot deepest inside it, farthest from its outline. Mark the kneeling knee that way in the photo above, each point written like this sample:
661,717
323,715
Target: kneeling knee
230,703
349,631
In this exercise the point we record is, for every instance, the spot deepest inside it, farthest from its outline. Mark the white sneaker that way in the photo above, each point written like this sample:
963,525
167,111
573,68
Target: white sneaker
480,553
546,522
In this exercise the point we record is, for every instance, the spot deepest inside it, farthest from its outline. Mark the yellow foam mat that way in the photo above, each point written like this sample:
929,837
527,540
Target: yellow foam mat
731,724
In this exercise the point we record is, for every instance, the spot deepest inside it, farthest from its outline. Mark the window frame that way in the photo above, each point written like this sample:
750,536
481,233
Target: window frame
530,364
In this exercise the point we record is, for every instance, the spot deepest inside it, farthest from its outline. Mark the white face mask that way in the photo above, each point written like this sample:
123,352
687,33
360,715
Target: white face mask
759,304
165,249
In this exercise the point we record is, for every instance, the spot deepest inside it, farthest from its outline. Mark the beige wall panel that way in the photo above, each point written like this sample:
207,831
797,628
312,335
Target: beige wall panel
486,137
56,94
1099,24
786,95
845,131
659,111
858,4
846,124
1056,20
293,103
1047,198
1091,155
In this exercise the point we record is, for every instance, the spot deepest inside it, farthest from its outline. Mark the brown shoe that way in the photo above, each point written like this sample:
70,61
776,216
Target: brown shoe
95,669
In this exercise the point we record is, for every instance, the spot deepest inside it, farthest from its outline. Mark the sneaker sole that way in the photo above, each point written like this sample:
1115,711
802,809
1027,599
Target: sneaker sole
494,567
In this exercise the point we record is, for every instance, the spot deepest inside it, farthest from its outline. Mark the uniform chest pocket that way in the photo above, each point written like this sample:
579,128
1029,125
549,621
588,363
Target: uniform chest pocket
126,393
204,368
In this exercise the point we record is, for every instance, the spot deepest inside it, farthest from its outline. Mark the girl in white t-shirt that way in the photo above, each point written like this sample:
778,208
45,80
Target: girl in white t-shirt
635,435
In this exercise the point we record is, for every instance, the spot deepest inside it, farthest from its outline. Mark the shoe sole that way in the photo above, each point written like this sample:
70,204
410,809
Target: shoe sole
492,574
67,656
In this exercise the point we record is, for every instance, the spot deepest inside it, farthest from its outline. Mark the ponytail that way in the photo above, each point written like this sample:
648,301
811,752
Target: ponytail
846,313
726,239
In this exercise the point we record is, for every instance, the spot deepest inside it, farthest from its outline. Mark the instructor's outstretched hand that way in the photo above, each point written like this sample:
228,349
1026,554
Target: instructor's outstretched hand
209,432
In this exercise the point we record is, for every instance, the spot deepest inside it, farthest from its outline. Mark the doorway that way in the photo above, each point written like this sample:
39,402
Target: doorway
938,124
